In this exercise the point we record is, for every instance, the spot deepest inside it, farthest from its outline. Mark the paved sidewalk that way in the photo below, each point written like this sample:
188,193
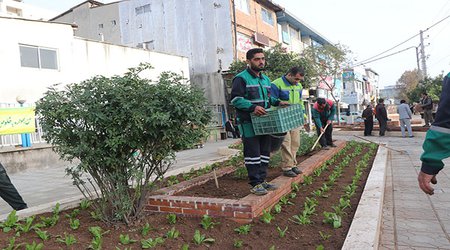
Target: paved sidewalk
411,219
46,186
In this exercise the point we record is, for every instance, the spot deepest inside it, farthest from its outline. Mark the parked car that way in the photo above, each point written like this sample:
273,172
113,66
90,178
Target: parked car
352,117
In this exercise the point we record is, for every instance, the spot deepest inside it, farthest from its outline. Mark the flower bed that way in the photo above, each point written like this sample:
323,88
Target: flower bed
293,223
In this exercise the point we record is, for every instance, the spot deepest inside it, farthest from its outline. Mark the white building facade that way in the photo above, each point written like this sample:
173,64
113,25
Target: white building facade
30,61
17,8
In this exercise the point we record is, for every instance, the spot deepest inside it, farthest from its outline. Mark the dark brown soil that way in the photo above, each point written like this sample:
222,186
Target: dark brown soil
232,187
261,236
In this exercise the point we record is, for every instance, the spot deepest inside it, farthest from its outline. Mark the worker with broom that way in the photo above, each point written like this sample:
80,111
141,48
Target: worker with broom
323,113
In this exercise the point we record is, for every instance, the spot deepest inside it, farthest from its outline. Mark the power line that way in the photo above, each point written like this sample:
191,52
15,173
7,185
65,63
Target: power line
395,53
368,59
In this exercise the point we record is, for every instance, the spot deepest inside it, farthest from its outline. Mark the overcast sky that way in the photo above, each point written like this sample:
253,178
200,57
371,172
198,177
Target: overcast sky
367,27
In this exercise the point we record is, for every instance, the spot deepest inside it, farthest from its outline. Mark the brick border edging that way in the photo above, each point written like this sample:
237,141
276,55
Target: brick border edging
242,210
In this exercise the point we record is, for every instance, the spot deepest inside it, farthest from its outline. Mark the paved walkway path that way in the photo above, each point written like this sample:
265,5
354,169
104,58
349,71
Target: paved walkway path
411,219
49,185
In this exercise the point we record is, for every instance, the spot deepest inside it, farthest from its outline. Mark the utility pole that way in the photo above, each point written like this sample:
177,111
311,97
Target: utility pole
423,56
418,62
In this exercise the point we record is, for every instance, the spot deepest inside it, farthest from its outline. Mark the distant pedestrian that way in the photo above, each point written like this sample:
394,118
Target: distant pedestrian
9,193
323,112
367,115
427,106
405,115
381,115
436,146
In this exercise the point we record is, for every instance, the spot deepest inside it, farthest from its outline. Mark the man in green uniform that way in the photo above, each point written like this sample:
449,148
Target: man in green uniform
251,94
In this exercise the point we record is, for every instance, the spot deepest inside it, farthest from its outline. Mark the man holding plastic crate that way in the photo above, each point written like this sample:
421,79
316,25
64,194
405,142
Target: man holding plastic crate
323,113
251,94
288,88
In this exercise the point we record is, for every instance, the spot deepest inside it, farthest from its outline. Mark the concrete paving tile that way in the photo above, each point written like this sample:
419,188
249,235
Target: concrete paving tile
420,240
414,213
411,225
443,213
414,248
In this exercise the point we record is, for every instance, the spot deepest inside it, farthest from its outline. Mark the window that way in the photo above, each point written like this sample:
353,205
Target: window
142,9
100,26
267,16
242,5
37,57
113,22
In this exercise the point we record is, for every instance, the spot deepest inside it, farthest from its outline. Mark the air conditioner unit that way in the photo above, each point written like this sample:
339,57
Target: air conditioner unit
261,39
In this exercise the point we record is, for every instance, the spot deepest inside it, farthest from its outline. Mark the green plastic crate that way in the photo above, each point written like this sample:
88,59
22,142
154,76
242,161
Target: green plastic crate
278,120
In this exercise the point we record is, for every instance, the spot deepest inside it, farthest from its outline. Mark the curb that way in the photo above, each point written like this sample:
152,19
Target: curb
365,229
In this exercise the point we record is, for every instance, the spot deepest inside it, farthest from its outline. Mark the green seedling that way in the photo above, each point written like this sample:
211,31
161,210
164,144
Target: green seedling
292,195
172,233
295,187
73,214
267,216
96,215
12,244
344,203
302,219
10,222
207,222
97,241
125,239
34,246
27,226
285,201
43,235
277,208
244,229
145,229
282,232
74,224
172,219
172,180
201,238
57,209
85,204
324,236
185,247
238,243
272,247
68,239
49,221
151,243
320,247
307,180
332,219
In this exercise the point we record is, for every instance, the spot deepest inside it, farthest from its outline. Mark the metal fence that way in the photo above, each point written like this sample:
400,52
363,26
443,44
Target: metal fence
16,139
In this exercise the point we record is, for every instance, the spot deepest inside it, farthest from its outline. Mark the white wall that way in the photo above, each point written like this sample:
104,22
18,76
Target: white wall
26,10
78,59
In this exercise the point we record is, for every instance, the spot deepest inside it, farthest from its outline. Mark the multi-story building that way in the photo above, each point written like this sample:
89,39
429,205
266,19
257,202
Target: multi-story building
360,88
16,8
31,63
210,33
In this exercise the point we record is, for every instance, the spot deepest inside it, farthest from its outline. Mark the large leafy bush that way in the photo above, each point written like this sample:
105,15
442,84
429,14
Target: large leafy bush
124,130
